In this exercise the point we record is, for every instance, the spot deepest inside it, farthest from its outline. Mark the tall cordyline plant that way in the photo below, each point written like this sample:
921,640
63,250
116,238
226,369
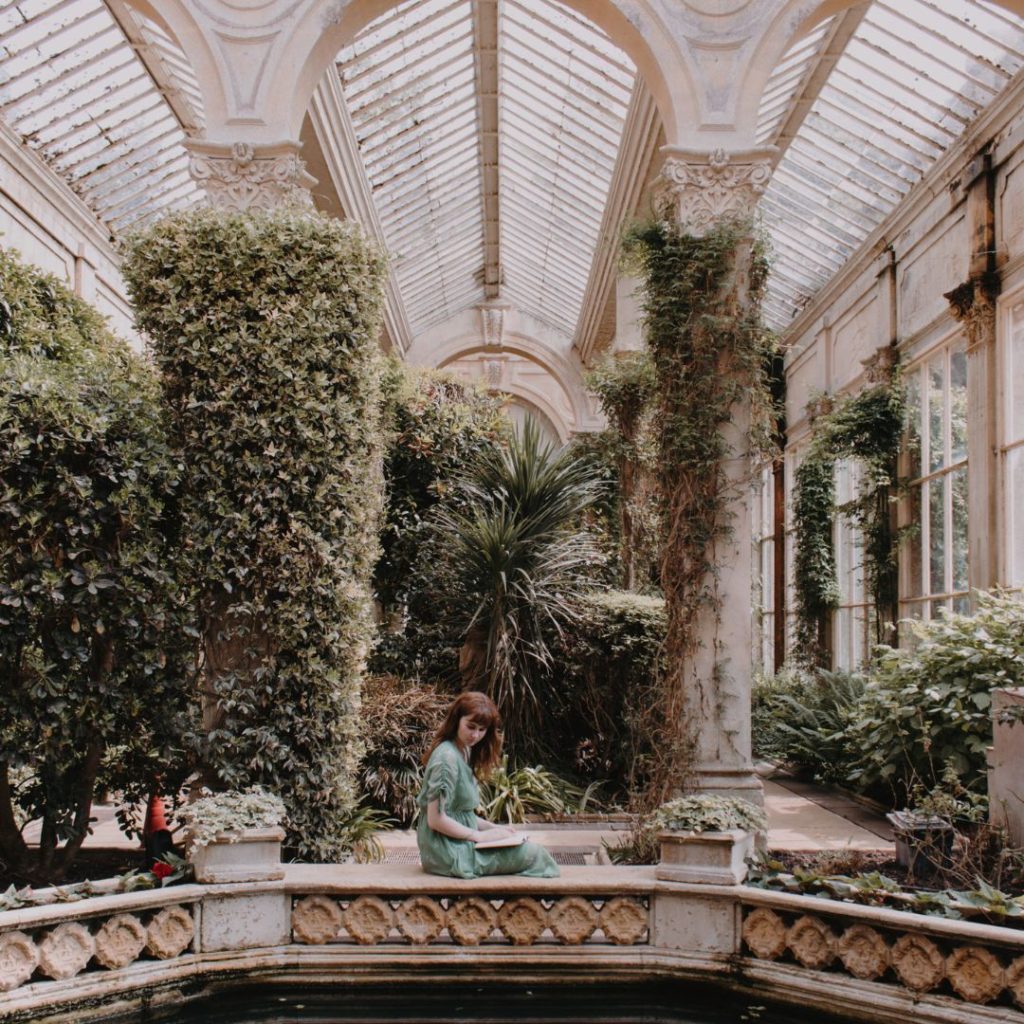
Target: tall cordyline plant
711,357
264,327
512,561
96,685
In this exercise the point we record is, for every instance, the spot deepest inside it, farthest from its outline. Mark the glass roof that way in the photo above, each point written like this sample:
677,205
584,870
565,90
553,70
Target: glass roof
73,87
913,76
410,80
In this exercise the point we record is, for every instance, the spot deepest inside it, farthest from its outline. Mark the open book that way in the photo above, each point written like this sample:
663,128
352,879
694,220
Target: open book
497,844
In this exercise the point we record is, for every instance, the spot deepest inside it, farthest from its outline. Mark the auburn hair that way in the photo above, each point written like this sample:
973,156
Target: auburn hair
483,756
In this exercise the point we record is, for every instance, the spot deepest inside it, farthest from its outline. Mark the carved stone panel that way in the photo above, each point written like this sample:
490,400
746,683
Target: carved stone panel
1015,980
471,920
811,941
918,962
864,952
420,920
316,920
243,178
573,920
975,974
170,932
369,920
19,958
522,921
66,950
120,941
764,932
623,921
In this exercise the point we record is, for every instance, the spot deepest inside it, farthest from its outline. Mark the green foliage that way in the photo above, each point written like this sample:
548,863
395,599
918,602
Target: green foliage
868,427
228,814
91,628
511,794
801,719
264,326
625,386
438,425
709,813
399,719
710,353
510,561
609,668
929,705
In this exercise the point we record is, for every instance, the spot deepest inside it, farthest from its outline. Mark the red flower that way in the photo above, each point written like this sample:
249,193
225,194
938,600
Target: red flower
162,869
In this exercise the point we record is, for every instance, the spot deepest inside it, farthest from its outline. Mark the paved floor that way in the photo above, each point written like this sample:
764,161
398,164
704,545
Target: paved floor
800,817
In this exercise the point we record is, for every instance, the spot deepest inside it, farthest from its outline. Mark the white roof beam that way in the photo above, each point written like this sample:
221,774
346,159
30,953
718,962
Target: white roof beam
332,125
833,44
486,58
632,168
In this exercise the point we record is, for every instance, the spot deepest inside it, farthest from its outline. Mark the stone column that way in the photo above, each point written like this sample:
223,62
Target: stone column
241,176
700,191
974,304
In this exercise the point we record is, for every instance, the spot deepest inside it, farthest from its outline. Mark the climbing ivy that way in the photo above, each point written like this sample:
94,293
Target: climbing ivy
710,353
868,427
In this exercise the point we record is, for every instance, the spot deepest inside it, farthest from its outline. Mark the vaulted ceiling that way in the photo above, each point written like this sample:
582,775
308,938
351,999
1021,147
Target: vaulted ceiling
496,146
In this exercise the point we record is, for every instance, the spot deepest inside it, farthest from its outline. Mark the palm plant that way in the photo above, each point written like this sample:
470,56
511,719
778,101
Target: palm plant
514,559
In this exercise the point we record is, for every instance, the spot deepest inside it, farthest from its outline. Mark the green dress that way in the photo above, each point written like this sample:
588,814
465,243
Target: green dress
449,778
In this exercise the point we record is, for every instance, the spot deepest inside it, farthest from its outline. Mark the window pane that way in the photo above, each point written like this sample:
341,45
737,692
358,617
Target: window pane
936,435
1015,517
914,425
938,607
1016,378
937,537
962,605
915,544
958,405
959,482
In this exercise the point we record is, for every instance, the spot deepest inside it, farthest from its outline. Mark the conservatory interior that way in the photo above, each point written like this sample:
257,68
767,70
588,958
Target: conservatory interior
653,366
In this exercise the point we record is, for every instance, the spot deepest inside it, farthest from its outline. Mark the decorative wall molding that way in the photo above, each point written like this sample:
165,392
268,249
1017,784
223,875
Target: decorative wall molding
242,177
701,189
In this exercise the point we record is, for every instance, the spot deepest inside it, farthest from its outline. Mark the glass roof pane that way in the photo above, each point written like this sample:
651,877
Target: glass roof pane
915,73
73,87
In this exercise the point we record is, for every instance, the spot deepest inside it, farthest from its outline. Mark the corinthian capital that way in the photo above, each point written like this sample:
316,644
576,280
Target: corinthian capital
973,303
242,176
701,189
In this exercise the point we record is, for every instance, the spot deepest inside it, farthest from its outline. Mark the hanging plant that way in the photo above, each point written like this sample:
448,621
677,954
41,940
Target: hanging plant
868,427
710,353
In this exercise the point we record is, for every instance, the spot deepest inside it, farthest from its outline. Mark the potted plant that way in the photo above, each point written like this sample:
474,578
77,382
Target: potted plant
707,839
235,836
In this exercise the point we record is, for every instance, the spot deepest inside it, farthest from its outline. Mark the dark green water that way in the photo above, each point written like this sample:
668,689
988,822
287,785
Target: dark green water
414,1003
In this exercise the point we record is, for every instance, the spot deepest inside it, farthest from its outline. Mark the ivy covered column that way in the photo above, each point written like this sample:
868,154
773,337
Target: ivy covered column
709,199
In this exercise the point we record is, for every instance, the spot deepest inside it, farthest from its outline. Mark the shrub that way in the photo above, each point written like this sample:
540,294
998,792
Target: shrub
264,326
608,661
510,794
802,718
399,719
92,651
929,705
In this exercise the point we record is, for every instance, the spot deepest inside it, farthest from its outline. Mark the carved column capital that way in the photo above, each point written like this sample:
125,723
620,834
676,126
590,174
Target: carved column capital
701,189
974,304
242,176
879,366
492,323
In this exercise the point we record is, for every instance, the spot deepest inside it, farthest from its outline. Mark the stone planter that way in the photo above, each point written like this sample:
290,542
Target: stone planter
923,845
252,855
705,858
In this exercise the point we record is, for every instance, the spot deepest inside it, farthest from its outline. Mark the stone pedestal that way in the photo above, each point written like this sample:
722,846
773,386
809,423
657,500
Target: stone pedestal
252,855
245,922
1006,764
705,858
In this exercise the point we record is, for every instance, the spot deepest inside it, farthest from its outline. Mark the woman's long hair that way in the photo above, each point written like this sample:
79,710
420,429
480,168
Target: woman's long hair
484,756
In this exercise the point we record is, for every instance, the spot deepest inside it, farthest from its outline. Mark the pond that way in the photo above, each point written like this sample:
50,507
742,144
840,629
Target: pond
415,1003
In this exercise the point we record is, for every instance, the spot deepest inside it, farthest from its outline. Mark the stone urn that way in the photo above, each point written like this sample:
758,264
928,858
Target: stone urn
248,855
704,858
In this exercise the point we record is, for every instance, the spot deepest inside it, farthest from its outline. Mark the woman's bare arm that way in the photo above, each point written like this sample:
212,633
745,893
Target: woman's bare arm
441,822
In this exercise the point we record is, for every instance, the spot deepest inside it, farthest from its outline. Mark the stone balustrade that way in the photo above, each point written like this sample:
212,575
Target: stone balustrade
370,922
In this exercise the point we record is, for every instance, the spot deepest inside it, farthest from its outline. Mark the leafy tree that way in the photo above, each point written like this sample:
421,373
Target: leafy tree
92,631
264,326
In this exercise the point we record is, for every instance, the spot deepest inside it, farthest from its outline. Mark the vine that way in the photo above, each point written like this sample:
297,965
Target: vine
711,354
868,427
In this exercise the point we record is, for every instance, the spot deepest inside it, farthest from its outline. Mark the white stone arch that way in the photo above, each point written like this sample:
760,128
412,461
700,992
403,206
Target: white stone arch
568,377
792,20
258,63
